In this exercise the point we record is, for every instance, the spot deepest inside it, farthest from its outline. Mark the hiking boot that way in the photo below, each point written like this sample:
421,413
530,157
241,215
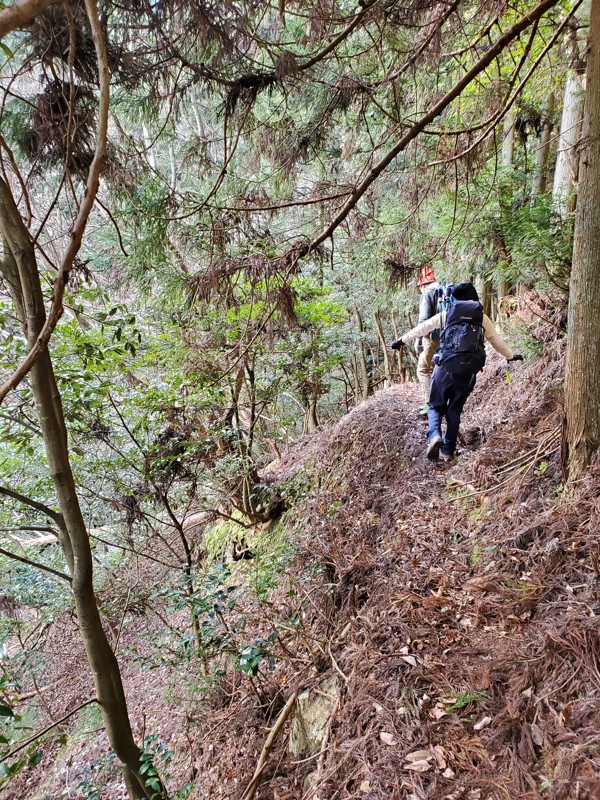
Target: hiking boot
433,448
423,410
446,455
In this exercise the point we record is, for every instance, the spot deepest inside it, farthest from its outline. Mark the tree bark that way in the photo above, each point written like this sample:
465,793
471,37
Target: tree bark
567,158
366,390
387,368
540,174
485,290
20,267
582,379
21,13
311,420
508,139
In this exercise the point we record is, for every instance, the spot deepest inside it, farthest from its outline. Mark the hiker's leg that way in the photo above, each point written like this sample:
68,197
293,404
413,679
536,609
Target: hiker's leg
434,417
425,365
457,397
437,404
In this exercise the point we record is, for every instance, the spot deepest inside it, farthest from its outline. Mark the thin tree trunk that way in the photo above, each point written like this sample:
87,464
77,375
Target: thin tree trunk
508,139
582,379
540,175
387,368
356,379
508,151
20,267
401,368
567,158
149,147
367,389
311,421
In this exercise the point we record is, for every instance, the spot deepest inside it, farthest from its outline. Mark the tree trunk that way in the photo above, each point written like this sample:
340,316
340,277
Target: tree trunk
567,158
485,290
582,379
387,368
367,389
401,367
311,421
20,268
508,139
508,151
540,174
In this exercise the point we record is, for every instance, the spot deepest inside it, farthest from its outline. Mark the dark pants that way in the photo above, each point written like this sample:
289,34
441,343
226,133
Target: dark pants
447,399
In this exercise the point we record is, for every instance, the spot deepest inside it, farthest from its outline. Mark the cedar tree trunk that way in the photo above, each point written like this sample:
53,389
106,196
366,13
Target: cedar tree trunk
582,380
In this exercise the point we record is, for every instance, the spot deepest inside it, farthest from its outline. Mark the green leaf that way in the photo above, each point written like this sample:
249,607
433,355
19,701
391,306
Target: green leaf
6,711
5,48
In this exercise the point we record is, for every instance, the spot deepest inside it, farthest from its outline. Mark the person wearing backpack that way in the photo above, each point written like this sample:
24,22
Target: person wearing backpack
427,345
461,355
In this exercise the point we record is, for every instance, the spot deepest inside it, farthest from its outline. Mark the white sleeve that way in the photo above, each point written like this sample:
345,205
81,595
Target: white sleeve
494,338
423,328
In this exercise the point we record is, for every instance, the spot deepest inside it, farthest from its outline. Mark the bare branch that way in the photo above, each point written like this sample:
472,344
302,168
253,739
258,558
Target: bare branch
49,728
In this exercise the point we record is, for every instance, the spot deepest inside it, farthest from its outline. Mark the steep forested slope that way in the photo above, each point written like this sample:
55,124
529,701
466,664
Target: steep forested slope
445,615
212,220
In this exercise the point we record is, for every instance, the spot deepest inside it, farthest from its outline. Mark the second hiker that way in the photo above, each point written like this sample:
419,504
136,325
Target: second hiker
461,356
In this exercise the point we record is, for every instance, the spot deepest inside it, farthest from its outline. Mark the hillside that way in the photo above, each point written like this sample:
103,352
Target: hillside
445,615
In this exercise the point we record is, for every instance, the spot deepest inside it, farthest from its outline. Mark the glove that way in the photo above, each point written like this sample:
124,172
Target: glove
398,344
516,357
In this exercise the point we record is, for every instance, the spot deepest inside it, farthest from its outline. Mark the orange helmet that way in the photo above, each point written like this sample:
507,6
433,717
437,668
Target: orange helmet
426,275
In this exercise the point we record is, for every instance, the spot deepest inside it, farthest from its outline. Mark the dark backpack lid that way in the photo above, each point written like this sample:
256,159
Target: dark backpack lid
464,291
470,311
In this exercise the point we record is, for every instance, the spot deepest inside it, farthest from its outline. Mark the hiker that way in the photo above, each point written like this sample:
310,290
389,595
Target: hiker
427,345
461,355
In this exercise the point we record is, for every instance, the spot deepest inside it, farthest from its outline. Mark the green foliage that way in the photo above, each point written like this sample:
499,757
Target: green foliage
466,698
250,658
194,344
155,760
212,600
13,730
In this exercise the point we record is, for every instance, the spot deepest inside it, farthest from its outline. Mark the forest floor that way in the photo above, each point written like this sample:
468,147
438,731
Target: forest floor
450,612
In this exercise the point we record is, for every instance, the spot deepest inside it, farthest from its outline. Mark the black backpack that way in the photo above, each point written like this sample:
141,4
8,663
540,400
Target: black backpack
462,348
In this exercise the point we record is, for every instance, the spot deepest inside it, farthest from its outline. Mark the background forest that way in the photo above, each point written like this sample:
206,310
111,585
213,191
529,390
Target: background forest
212,217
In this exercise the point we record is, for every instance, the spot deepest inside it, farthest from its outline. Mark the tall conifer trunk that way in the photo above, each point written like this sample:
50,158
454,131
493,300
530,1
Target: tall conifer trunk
542,150
582,381
567,158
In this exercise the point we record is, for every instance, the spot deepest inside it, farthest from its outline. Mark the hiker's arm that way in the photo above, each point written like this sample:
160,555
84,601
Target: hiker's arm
423,328
493,337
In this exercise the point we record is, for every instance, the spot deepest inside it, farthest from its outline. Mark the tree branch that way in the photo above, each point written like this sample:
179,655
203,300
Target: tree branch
21,13
36,564
56,516
418,127
49,728
91,190
252,787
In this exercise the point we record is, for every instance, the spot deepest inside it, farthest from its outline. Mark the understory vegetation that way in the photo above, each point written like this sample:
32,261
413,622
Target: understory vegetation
226,568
